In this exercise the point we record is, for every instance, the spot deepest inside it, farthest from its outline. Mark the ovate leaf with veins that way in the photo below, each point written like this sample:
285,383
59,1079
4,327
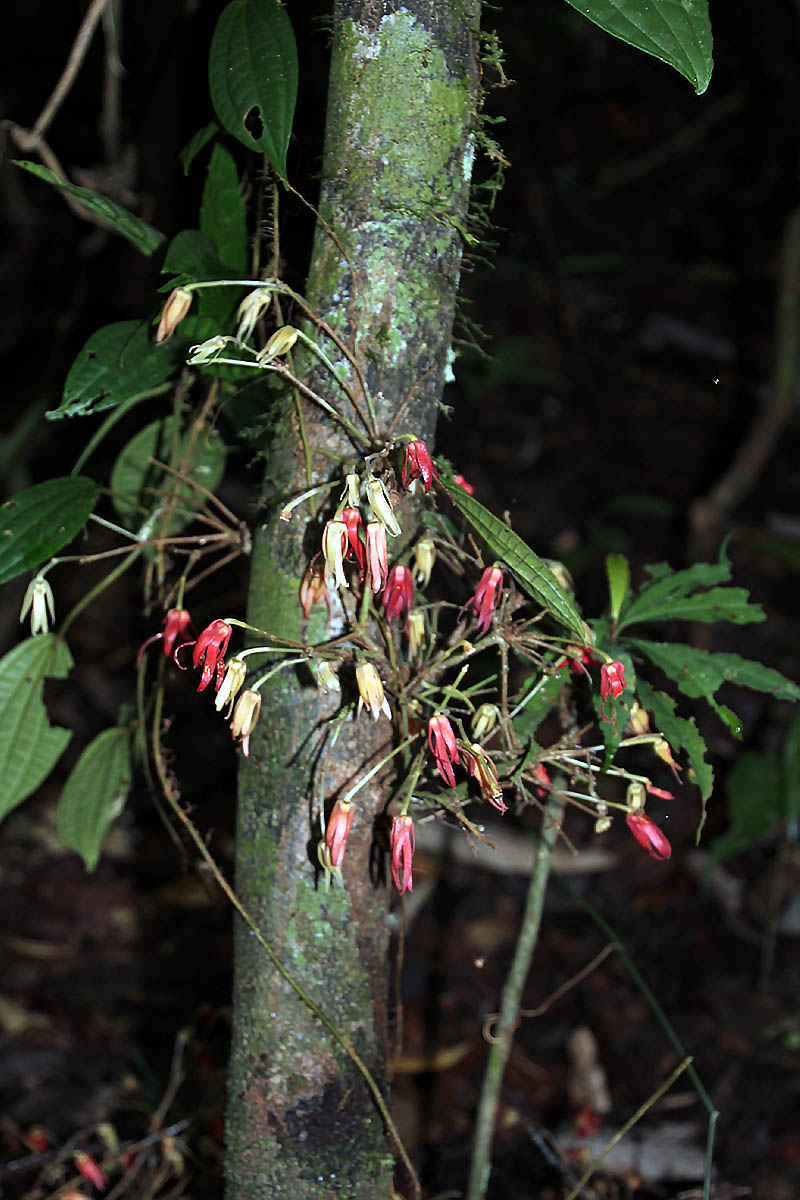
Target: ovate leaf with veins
252,73
95,793
36,523
676,31
29,745
119,362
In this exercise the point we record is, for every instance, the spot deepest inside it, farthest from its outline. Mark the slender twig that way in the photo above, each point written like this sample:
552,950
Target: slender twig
100,587
294,984
481,1164
662,1019
637,1116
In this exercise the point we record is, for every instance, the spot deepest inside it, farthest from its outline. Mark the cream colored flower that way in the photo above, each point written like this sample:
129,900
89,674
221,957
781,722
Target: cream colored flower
39,599
370,691
231,684
245,716
381,505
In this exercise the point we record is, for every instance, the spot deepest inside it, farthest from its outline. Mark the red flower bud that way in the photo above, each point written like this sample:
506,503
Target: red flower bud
339,824
402,844
648,835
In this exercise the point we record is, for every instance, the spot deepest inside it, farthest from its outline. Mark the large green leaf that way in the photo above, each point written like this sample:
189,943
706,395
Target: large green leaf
676,31
667,597
29,745
699,673
118,363
144,237
534,576
95,793
680,732
755,793
36,523
252,73
139,489
222,212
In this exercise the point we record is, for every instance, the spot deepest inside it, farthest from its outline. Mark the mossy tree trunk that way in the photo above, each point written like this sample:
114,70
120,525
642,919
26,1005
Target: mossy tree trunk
398,155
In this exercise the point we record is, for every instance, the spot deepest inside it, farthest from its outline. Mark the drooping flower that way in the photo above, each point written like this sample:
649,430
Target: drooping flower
398,595
424,558
381,505
377,556
355,547
415,632
443,747
402,844
176,306
231,686
419,465
280,343
484,720
338,829
325,677
209,649
578,657
487,597
334,544
370,691
39,599
176,623
664,752
245,716
482,768
648,835
313,588
612,683
462,483
89,1169
249,311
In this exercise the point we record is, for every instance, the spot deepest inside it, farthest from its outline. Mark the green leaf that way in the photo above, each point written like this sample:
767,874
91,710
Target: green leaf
536,578
680,732
676,31
29,745
118,363
95,793
667,597
143,236
222,212
538,700
141,491
619,575
699,673
754,788
252,73
36,523
196,143
791,771
191,256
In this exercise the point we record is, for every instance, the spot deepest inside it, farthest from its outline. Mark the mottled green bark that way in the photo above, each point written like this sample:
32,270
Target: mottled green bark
398,156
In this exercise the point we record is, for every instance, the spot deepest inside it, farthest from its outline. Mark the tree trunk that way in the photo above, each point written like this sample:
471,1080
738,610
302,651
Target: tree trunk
398,155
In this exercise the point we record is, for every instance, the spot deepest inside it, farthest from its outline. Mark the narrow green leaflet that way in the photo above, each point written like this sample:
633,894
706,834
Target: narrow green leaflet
118,363
676,31
36,523
222,213
95,793
699,673
252,73
195,144
143,236
140,490
619,575
667,597
754,790
29,745
680,732
536,578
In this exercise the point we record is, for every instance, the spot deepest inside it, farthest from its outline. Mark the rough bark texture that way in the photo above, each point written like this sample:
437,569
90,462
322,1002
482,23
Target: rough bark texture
398,156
